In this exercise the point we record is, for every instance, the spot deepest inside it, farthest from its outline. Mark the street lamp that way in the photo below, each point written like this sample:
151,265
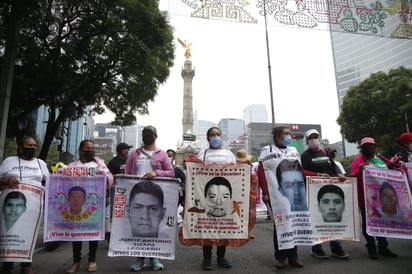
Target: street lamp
265,12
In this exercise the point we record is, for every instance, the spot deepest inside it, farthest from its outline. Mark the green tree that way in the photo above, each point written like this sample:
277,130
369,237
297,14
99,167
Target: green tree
378,107
73,54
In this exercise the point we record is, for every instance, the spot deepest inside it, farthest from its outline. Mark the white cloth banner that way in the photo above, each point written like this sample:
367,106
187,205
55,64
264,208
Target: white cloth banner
144,217
217,201
22,211
75,205
287,195
333,207
387,203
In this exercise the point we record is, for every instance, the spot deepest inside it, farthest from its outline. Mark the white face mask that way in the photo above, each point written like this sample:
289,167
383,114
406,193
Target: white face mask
314,143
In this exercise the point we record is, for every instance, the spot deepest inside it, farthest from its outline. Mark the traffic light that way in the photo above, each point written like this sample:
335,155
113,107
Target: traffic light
297,136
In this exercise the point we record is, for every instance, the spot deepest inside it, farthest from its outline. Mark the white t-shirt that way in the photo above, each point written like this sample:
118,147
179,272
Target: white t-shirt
143,164
218,156
34,171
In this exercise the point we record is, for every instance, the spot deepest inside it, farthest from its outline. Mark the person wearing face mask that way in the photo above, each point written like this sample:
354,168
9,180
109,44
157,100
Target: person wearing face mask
219,155
317,159
369,156
149,161
271,176
87,158
405,144
117,164
24,167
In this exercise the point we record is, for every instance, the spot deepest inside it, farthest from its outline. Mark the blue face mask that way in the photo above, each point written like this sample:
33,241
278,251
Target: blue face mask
287,140
215,141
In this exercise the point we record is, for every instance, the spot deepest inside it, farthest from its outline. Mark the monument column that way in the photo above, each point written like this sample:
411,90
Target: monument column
187,121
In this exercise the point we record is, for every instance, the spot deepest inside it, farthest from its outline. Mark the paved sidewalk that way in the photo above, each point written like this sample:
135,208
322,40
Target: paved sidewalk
254,257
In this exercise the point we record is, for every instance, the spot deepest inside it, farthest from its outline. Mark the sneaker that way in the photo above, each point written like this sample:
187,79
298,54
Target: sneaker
373,254
156,264
222,262
387,253
207,264
138,265
319,253
338,252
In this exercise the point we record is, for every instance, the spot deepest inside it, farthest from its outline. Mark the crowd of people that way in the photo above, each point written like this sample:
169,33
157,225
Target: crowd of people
287,171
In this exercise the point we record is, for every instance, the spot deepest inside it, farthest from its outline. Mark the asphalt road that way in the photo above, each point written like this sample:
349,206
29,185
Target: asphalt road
254,257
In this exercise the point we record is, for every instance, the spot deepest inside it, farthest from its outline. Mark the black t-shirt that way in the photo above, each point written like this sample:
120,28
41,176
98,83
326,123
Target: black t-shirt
318,161
114,165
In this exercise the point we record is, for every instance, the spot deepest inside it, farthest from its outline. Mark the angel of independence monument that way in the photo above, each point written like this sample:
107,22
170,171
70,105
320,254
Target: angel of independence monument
189,145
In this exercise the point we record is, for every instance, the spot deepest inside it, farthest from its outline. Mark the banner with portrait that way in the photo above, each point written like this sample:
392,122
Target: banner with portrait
408,166
217,204
387,203
287,193
144,217
333,206
22,211
75,205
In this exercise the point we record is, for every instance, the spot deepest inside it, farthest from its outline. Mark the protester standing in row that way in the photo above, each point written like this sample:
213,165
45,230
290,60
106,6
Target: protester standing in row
24,167
118,163
215,154
149,161
405,144
88,159
368,156
317,159
267,174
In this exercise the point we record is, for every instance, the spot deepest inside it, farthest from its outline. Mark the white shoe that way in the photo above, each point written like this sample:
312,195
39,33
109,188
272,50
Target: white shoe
138,265
156,264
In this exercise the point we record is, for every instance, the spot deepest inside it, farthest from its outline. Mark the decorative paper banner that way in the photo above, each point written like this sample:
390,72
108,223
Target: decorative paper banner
333,207
22,211
144,217
75,205
217,202
388,203
371,17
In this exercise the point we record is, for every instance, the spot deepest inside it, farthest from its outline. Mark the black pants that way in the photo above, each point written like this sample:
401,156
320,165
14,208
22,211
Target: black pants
290,254
8,266
77,251
207,252
370,240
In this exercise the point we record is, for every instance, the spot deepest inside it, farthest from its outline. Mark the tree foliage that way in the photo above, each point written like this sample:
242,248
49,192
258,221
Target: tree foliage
73,54
380,107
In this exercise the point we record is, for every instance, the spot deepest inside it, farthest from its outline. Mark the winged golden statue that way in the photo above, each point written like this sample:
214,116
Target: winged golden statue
186,45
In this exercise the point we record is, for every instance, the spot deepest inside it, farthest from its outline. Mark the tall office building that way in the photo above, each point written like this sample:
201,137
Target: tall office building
256,113
131,135
357,56
70,134
232,130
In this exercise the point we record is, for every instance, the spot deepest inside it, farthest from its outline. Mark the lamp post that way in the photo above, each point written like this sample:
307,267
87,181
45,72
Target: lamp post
269,66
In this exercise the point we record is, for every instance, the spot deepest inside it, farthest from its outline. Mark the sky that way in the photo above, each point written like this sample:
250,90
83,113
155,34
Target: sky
231,73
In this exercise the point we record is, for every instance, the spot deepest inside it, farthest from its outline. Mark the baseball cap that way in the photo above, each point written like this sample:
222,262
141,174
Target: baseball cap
310,132
122,146
367,140
150,128
406,136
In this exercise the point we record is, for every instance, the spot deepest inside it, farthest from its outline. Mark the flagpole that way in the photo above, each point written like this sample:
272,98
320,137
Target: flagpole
269,66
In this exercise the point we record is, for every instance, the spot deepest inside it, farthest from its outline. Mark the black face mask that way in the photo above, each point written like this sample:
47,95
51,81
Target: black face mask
89,155
148,139
29,152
